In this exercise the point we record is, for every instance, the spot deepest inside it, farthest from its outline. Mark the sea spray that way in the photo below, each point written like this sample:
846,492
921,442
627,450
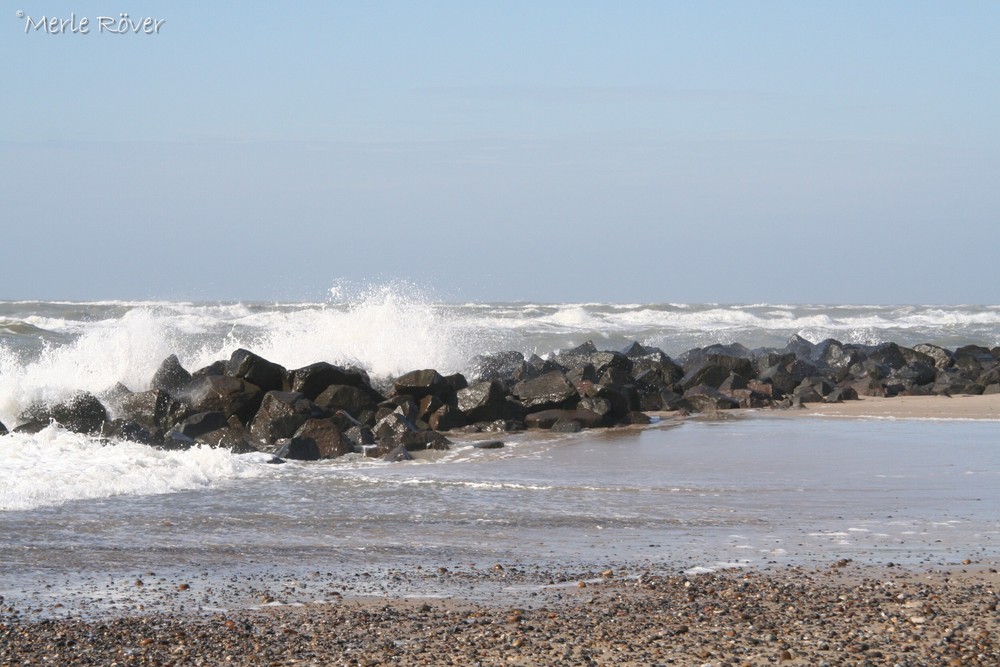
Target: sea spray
55,466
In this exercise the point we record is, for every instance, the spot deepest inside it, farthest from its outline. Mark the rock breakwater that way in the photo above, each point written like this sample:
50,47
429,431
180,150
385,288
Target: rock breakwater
320,411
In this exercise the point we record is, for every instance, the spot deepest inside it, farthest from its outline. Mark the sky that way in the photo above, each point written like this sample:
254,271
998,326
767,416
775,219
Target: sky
735,152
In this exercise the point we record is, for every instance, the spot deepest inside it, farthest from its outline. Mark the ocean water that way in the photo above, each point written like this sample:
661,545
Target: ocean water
696,495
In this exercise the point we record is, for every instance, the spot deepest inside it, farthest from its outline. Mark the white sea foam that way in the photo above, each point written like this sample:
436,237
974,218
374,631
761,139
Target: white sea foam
55,466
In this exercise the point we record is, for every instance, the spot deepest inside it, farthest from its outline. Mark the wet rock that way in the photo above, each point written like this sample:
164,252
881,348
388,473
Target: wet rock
866,386
392,427
942,358
974,358
397,454
840,394
564,425
486,401
548,418
446,418
330,440
635,419
497,367
313,379
228,395
488,444
201,423
81,413
215,368
358,402
418,384
298,449
800,347
123,429
155,410
548,391
587,354
280,415
956,381
703,398
360,436
3,429
170,377
256,370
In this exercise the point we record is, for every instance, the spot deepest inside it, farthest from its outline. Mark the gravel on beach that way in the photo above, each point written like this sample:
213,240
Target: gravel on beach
838,614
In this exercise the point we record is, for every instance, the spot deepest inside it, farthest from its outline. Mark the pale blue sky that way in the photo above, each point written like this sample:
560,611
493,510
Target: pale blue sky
543,151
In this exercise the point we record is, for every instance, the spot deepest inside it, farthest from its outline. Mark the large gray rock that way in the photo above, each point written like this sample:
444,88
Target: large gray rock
313,379
421,383
225,394
155,410
358,402
280,415
548,418
257,370
487,401
330,440
497,366
549,391
171,377
81,413
703,398
942,357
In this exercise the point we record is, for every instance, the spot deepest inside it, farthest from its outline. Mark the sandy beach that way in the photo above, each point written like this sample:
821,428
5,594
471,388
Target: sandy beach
839,614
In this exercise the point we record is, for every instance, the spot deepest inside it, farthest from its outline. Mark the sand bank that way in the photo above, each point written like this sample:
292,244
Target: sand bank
911,407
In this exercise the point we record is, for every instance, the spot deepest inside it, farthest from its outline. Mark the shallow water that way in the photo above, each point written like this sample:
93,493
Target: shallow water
700,493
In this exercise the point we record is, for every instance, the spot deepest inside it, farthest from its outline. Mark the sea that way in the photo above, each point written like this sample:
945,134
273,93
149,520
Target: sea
754,490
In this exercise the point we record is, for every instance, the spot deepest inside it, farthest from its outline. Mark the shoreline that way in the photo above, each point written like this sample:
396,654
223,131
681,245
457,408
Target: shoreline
836,613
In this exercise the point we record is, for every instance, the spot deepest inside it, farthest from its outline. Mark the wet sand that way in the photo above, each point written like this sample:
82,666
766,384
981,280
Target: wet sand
837,614
911,407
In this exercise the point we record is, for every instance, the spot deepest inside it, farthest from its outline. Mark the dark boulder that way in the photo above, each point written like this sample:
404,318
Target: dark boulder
404,405
397,455
564,425
975,358
956,381
497,367
298,449
313,379
81,413
488,444
358,402
888,354
214,368
280,415
551,390
832,353
171,377
866,386
360,436
228,395
248,366
418,384
487,401
840,394
446,418
155,410
122,429
587,354
330,440
800,347
3,429
942,357
703,398
635,419
914,373
392,427
599,406
546,418
202,423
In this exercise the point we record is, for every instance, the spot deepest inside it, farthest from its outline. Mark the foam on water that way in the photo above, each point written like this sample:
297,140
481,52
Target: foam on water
55,466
